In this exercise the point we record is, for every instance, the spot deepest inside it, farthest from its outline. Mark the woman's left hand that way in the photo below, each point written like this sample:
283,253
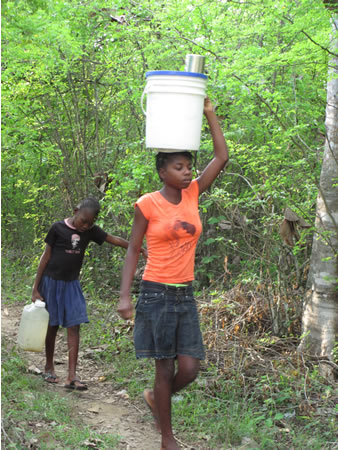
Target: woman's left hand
208,105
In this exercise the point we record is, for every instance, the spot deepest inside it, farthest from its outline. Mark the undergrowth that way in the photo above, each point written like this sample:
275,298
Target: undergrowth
254,388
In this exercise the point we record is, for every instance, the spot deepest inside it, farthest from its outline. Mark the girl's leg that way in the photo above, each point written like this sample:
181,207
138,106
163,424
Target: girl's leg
50,375
187,370
73,338
165,369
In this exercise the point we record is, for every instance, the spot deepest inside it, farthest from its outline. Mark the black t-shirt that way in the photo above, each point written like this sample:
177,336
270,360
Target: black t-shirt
68,249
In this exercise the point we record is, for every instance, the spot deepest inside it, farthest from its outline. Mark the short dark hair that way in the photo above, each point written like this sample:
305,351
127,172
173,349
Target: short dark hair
162,159
90,203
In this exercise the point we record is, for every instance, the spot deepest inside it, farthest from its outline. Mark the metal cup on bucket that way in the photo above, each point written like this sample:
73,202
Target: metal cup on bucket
194,63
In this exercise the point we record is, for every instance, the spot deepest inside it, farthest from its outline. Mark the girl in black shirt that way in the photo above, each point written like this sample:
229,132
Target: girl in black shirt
57,283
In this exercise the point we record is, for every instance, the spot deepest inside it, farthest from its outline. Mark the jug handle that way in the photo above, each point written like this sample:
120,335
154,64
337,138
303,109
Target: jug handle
142,100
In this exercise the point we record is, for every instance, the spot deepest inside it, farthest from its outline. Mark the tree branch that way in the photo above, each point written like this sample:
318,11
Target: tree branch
312,40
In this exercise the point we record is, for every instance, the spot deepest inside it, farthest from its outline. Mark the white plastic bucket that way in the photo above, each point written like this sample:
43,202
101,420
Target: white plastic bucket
33,327
174,114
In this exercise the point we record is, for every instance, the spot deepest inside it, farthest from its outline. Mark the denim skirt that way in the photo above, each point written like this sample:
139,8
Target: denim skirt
64,302
167,322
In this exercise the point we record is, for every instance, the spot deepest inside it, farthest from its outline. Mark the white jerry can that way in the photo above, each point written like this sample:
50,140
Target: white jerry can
33,327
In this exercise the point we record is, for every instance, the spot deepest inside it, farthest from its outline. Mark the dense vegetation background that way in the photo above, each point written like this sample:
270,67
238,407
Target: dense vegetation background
73,77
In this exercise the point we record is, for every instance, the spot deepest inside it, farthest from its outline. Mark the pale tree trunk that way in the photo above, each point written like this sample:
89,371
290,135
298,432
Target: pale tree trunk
320,316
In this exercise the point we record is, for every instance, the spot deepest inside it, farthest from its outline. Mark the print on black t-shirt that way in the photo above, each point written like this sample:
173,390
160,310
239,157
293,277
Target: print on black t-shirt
68,249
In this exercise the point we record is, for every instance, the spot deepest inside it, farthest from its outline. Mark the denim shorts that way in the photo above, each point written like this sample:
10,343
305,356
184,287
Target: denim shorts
64,302
167,322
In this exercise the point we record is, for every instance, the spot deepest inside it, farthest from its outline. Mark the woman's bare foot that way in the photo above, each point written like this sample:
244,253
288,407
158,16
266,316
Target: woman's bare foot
148,396
169,444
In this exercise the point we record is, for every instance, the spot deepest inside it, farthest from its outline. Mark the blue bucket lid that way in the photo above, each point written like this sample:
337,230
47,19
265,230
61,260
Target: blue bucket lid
177,73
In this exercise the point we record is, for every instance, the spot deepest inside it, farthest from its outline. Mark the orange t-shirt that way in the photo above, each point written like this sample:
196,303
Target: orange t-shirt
172,235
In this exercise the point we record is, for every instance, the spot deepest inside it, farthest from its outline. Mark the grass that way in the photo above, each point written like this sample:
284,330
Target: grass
33,417
224,414
283,403
253,388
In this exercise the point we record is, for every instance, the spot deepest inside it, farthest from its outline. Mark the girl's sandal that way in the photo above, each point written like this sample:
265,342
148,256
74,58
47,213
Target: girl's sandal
76,385
50,378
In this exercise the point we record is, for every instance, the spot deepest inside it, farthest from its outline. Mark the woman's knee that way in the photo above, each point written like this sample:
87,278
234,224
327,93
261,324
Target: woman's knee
189,367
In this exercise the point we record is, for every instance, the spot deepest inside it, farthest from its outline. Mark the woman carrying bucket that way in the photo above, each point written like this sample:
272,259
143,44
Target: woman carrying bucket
166,322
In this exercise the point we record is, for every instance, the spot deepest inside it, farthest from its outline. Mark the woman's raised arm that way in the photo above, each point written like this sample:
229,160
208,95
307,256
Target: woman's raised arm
221,155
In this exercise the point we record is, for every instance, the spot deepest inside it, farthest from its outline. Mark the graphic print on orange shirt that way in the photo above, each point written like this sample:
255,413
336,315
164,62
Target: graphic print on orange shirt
175,238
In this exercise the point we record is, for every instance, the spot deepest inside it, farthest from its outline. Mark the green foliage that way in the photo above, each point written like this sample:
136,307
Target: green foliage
17,275
73,75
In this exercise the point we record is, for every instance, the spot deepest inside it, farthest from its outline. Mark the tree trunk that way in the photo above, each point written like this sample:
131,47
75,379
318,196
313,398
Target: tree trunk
320,316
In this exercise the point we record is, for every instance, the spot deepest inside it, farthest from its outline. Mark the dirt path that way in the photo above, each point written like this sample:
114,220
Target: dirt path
101,407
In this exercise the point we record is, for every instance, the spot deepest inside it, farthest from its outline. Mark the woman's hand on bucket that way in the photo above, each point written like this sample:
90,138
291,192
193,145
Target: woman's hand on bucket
208,105
125,308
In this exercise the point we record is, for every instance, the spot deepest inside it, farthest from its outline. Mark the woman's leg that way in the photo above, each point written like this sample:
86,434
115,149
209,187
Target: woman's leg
165,370
50,375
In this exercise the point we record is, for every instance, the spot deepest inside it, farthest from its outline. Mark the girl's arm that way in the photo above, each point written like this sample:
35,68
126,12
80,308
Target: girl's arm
221,156
125,308
115,240
120,242
41,268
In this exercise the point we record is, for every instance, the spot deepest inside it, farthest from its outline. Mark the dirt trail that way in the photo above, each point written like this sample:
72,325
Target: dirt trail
103,408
